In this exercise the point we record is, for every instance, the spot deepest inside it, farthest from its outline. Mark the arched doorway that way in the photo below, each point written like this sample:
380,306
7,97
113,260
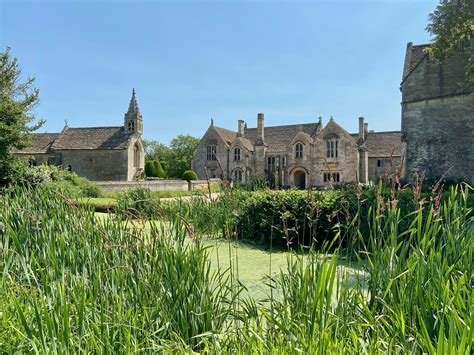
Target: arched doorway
299,178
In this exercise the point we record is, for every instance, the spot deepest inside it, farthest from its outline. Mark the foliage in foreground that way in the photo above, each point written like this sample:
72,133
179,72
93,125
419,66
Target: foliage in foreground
57,178
71,284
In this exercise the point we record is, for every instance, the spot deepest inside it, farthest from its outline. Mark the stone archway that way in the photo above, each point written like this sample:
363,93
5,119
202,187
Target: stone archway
299,179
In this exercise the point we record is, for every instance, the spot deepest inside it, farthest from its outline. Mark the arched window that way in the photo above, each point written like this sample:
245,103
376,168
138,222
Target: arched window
237,154
299,150
136,155
238,175
131,126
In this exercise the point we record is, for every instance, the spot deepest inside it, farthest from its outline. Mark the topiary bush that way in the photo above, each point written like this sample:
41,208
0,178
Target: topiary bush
150,170
159,171
189,175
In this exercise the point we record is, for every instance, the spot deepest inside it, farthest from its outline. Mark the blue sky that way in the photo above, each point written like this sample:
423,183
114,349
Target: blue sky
193,60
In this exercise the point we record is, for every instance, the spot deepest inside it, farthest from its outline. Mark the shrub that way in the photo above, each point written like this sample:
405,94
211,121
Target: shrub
291,217
150,169
136,203
159,172
189,175
69,184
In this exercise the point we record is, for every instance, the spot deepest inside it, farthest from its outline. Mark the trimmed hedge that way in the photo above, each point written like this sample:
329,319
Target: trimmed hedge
189,175
150,169
293,217
159,172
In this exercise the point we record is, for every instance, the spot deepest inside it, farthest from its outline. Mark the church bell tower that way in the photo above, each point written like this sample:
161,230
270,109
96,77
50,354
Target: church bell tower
133,118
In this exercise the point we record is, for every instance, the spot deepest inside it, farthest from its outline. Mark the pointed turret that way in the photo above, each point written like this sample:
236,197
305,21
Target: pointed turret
133,118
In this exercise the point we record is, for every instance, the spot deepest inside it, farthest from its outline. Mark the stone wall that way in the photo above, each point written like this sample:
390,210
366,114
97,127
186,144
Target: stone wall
431,80
200,163
376,172
439,135
438,119
97,164
156,185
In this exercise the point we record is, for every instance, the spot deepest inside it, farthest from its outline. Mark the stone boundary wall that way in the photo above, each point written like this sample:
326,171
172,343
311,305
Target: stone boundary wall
156,185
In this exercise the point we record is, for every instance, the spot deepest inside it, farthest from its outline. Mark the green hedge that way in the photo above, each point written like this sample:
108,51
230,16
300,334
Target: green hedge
159,171
293,217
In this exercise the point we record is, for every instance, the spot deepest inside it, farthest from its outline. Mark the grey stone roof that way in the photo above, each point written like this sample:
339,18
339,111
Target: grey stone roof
413,56
278,138
227,135
246,143
383,144
40,143
93,138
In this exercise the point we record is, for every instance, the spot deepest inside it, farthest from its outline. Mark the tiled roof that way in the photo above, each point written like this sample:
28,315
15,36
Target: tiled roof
278,138
227,135
246,143
40,143
383,144
93,138
414,55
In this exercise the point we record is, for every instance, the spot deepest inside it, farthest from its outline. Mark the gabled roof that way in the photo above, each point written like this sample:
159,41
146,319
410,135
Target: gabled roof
278,138
383,144
40,143
93,138
333,129
414,55
245,143
227,135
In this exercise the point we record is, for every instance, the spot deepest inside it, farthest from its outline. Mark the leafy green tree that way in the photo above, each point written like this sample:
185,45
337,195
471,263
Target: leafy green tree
155,150
452,25
17,101
182,149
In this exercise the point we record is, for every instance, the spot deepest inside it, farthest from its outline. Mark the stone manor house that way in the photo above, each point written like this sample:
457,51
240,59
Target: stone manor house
96,153
437,136
301,155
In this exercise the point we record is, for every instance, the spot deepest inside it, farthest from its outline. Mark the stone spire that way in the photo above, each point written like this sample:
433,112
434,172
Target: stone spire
133,106
133,118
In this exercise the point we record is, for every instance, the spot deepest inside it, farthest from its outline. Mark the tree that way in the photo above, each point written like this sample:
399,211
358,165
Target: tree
182,149
155,150
452,25
17,100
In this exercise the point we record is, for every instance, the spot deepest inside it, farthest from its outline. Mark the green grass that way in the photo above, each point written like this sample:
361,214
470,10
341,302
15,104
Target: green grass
72,281
169,194
98,201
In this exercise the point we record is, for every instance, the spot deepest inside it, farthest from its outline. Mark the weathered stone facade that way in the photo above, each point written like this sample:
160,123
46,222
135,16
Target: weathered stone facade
437,115
304,155
96,153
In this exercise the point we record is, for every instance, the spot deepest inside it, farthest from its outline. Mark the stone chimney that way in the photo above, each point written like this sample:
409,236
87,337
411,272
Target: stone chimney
260,126
366,130
361,129
241,128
